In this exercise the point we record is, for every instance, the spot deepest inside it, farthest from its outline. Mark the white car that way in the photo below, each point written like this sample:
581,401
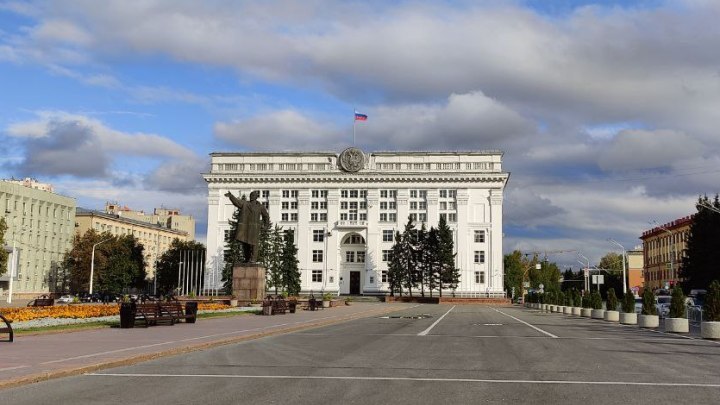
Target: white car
66,299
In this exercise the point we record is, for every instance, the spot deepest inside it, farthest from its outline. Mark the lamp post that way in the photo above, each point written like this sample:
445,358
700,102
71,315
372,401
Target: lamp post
92,264
623,263
178,283
587,282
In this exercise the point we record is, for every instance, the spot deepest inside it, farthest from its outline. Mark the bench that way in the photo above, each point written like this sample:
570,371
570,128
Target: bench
175,310
151,314
7,328
41,302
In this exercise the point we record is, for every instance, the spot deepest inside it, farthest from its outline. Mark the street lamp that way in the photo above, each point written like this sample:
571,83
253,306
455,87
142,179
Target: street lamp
92,264
13,268
623,263
587,282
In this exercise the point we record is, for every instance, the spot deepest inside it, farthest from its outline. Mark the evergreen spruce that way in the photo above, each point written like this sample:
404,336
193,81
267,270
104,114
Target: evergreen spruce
432,260
628,304
409,257
421,253
396,273
586,303
711,308
677,304
700,259
596,300
273,260
561,298
612,301
648,303
449,274
289,264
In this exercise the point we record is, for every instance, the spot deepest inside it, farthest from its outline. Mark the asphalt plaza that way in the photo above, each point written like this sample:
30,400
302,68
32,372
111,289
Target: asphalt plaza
450,354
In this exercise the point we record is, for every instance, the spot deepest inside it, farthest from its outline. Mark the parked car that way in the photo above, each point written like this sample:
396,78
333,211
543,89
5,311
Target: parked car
638,305
662,304
66,299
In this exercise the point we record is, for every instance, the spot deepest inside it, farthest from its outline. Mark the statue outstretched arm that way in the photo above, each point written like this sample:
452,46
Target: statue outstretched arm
236,201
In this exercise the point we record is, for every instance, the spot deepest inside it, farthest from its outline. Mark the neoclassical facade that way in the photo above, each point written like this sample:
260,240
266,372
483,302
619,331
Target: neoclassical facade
345,208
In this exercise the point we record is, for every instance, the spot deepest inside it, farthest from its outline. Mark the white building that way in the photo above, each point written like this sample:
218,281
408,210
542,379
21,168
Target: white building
345,209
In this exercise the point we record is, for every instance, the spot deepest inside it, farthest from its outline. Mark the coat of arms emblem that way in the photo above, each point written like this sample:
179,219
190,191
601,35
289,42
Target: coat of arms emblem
352,160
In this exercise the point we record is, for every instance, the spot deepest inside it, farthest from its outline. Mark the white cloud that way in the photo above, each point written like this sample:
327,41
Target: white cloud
640,149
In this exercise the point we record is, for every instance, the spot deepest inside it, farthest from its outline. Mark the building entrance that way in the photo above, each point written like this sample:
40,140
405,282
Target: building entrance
355,283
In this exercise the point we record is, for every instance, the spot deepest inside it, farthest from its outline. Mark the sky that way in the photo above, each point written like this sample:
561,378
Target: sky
607,112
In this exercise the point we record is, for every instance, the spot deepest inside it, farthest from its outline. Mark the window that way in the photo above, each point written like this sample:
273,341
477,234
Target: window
443,193
284,216
353,194
479,256
480,277
387,255
285,205
422,217
383,217
413,205
443,205
314,217
479,236
318,235
343,205
314,205
387,235
286,193
350,257
413,193
384,276
383,205
392,217
452,217
317,276
317,256
361,257
354,240
294,216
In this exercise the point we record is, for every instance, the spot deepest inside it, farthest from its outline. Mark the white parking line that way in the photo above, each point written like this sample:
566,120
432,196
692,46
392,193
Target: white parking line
426,331
411,379
12,368
532,326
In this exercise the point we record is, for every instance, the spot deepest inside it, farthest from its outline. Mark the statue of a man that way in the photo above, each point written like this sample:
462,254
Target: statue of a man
253,216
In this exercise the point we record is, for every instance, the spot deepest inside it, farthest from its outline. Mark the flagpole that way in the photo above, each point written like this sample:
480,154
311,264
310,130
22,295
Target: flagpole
354,121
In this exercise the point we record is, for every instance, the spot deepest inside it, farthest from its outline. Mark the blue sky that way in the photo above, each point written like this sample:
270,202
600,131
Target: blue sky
606,111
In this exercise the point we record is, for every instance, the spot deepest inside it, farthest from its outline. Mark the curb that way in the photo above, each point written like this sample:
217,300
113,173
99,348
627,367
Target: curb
130,360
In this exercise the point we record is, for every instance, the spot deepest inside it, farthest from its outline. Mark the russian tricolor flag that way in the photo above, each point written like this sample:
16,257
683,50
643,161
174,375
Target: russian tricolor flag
360,116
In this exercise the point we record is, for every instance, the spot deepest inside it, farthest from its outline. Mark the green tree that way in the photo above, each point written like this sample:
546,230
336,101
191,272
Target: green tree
168,266
449,274
421,253
628,305
431,260
612,301
613,264
586,301
560,298
3,253
396,270
233,253
272,259
702,255
289,264
648,302
596,300
677,304
711,308
515,265
408,256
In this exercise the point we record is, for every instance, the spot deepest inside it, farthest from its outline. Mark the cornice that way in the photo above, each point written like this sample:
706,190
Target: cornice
356,178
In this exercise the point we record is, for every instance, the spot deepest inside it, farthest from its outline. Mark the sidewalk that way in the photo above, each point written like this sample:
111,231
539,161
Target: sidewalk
33,358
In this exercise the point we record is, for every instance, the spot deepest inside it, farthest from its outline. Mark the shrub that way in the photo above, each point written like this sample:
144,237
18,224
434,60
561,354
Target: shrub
327,297
712,303
569,298
596,300
612,301
577,301
586,300
648,300
677,304
561,298
628,304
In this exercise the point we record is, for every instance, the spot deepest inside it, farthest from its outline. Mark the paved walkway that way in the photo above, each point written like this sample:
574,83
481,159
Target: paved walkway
40,357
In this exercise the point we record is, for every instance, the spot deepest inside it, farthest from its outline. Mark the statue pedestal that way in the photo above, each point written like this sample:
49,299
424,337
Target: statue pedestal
248,282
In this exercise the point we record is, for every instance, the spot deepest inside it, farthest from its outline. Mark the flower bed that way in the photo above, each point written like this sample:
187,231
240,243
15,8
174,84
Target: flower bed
79,311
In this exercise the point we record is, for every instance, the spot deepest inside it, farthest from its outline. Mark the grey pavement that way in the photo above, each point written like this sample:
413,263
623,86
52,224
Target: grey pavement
459,354
39,357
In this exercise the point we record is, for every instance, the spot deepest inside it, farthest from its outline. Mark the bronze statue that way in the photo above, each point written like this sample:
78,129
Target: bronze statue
253,216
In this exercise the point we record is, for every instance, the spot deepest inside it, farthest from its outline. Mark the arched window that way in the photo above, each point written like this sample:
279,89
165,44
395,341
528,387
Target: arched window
354,239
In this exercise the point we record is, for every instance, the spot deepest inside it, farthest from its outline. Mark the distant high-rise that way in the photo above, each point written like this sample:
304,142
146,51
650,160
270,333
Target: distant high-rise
41,226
